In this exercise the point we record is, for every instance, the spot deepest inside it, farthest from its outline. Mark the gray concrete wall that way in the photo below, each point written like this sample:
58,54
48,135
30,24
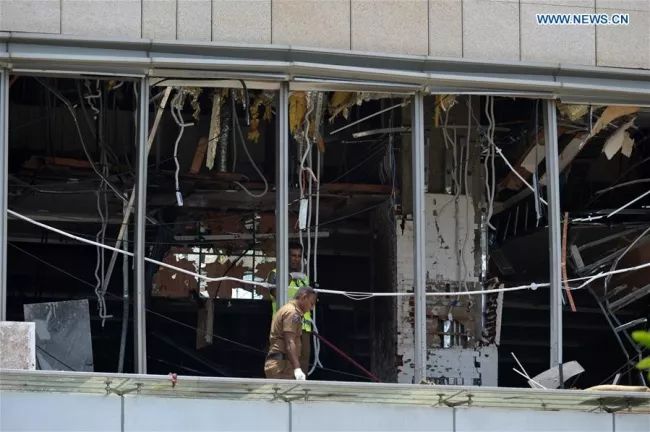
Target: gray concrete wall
88,412
496,30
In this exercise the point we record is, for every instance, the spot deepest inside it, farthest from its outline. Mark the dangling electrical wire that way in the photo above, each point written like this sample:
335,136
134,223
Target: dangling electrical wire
239,133
102,211
468,147
491,128
307,158
538,205
99,266
304,202
315,339
90,96
70,108
176,107
355,295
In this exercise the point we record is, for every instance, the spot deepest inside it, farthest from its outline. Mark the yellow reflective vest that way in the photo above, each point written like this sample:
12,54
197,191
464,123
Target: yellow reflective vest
294,284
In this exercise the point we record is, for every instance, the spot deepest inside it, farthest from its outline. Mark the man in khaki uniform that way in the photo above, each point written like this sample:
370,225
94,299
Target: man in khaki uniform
283,359
297,279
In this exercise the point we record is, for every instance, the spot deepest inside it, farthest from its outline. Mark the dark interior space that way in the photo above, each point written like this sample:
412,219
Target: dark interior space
211,211
74,172
596,179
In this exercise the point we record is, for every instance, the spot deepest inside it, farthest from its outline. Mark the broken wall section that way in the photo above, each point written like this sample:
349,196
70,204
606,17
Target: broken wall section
455,353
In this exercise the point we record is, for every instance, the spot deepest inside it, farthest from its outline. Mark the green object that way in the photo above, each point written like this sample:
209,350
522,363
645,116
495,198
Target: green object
642,337
644,364
294,284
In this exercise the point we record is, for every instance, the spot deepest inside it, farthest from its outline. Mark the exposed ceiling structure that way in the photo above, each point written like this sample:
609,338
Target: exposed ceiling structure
211,211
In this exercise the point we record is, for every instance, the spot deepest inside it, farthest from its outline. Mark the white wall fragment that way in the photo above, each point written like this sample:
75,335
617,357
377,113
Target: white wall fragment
17,345
450,256
628,144
616,141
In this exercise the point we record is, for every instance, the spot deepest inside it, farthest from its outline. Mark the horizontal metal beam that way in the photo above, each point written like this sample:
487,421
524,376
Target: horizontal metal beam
629,298
287,63
244,236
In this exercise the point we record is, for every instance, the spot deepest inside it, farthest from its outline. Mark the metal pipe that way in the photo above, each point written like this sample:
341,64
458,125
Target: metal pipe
555,236
139,310
4,158
631,324
129,208
125,304
368,117
419,269
282,195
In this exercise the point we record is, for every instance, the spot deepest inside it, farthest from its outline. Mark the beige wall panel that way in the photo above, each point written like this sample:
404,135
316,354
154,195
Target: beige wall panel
312,23
194,20
568,44
246,21
159,19
37,16
445,28
624,46
390,26
491,30
102,18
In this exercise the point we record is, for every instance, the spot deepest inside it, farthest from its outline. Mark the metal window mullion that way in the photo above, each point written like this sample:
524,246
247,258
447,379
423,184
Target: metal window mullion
555,257
282,195
4,156
419,269
139,315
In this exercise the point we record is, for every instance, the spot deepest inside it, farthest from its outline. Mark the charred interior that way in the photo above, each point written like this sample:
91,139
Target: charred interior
211,211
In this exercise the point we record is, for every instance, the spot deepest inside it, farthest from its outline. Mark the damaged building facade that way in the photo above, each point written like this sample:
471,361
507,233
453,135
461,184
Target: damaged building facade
469,189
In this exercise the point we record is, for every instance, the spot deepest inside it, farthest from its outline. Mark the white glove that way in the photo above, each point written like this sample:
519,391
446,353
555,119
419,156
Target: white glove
299,374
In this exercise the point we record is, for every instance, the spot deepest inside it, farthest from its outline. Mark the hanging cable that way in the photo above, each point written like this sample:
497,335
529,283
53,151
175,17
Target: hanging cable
150,260
90,96
70,108
354,295
305,164
240,134
316,343
490,135
486,153
101,303
348,358
623,207
618,259
102,211
538,206
317,217
468,191
507,162
245,104
166,317
315,339
176,107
